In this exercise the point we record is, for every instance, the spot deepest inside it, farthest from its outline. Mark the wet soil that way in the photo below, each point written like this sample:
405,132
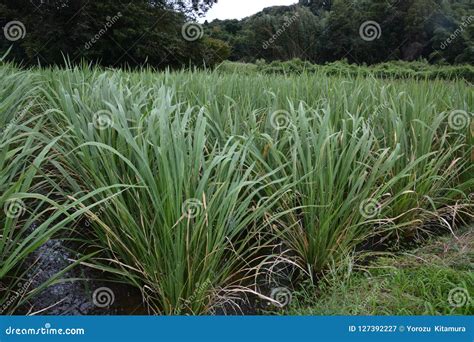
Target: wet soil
79,291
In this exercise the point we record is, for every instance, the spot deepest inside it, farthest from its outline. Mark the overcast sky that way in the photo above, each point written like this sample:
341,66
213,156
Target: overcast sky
237,9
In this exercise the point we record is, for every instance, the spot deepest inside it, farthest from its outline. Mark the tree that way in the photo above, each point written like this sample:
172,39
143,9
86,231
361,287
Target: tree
108,32
453,37
191,8
361,31
317,6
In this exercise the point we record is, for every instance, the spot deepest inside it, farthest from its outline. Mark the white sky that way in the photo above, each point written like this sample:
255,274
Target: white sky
238,9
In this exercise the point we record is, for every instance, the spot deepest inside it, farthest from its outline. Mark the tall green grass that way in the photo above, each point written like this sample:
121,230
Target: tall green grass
188,224
29,212
195,176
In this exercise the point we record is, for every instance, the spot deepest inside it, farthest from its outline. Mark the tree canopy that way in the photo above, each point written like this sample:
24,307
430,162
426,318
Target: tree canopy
165,33
109,32
330,30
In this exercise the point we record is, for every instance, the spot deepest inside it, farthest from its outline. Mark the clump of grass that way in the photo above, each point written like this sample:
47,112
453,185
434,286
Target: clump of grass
186,229
334,172
29,216
22,152
350,183
16,94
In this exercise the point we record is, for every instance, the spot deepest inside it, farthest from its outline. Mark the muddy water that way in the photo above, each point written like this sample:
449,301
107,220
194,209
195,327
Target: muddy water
79,291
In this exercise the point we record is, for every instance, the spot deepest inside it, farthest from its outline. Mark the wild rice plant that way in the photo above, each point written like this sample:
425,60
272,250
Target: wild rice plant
29,216
187,228
191,170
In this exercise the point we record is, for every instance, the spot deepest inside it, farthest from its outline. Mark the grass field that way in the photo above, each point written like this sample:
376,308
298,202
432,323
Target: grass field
200,187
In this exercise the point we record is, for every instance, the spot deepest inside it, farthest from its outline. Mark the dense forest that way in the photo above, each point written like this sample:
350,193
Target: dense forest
110,32
144,32
323,31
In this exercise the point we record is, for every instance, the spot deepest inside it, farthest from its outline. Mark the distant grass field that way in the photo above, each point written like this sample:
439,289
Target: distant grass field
192,186
389,70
